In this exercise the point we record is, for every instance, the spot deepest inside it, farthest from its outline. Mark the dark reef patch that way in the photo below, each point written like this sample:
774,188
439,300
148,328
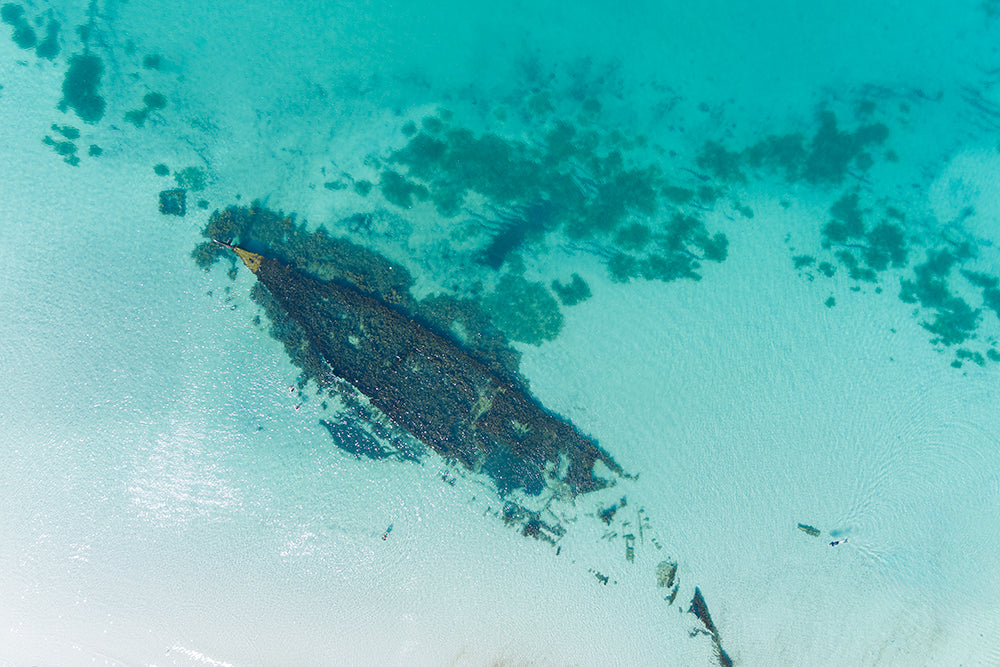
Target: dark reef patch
24,35
64,147
153,61
826,158
588,186
515,228
866,237
22,32
871,250
173,202
81,87
525,311
573,292
48,47
151,102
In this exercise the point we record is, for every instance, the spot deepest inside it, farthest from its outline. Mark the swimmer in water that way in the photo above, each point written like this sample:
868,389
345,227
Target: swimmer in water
837,543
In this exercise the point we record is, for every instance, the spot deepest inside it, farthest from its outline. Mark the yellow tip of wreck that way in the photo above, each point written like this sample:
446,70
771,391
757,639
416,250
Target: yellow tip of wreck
251,259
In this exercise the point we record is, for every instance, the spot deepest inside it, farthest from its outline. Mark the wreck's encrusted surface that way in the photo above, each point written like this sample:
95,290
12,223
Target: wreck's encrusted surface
431,387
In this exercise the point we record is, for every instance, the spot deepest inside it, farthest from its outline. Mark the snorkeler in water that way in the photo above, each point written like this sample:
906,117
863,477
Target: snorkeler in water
837,543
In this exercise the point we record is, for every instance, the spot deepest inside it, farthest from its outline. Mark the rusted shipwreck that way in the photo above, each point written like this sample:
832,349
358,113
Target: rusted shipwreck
428,385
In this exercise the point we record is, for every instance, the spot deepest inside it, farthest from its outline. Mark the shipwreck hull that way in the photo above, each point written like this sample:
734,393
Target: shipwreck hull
431,387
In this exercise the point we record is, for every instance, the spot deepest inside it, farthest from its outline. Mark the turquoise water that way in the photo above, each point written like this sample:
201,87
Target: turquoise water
785,219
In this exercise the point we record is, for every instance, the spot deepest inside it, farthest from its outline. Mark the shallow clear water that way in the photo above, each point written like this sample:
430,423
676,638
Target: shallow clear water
168,494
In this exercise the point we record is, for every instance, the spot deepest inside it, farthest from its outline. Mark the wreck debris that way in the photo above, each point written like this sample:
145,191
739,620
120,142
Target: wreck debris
531,523
809,530
426,384
666,575
607,515
700,609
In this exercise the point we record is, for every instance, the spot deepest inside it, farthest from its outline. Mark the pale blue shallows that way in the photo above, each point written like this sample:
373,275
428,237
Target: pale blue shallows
168,495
